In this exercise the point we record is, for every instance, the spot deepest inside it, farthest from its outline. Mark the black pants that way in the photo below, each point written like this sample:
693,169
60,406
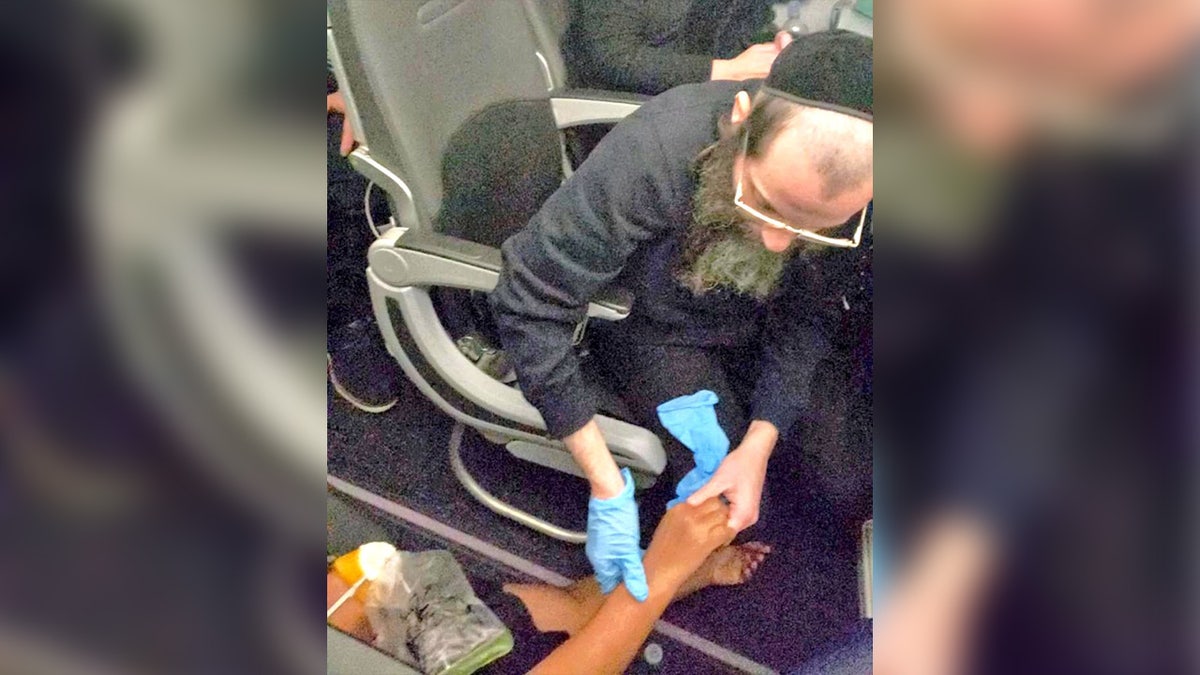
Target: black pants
831,443
647,375
348,234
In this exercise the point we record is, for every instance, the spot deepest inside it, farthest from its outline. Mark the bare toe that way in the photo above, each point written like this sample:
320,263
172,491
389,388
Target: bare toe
757,546
754,553
735,565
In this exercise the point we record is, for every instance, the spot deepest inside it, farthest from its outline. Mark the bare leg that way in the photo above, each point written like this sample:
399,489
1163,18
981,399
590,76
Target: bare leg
569,609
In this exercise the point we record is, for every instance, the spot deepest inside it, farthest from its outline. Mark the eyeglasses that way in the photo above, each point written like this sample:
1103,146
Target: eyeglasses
808,235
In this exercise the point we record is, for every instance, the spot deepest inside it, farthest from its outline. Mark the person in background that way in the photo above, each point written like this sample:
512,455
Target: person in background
650,47
360,369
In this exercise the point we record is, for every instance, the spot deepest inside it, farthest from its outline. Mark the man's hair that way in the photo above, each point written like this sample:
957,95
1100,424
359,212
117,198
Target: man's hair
840,145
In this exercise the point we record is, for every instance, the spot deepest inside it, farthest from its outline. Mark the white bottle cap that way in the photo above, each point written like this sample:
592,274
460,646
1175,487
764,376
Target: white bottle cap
653,654
372,557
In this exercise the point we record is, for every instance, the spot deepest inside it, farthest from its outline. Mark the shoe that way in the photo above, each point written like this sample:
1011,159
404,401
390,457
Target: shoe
360,369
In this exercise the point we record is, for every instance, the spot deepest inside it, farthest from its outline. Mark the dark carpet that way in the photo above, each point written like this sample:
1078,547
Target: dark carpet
801,600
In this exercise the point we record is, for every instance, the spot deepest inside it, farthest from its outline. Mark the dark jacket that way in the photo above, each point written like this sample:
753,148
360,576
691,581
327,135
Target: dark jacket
622,218
650,47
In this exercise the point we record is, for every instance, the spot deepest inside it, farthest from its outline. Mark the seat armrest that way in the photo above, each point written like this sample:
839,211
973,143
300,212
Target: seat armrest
615,300
573,107
401,197
601,95
402,257
452,248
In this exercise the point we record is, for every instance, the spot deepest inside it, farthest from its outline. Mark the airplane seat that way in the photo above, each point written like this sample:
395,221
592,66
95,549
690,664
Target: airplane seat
459,117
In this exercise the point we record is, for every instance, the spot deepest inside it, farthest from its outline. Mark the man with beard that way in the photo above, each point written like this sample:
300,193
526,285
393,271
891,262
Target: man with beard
718,209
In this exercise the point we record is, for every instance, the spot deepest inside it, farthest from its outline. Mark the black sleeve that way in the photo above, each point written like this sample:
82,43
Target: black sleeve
612,51
795,339
754,25
575,245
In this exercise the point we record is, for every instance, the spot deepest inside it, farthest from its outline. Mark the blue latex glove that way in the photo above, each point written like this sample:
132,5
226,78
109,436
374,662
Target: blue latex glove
612,542
693,420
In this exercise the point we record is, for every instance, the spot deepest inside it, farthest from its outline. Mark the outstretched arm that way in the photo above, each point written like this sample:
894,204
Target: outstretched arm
609,642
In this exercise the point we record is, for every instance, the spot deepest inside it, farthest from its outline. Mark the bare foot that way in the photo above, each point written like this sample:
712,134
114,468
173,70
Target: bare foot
728,566
554,609
568,609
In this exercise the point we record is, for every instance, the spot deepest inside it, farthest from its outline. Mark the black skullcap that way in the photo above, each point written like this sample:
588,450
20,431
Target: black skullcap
831,70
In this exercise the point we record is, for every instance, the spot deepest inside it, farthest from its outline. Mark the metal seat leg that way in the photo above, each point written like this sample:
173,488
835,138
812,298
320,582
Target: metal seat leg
498,506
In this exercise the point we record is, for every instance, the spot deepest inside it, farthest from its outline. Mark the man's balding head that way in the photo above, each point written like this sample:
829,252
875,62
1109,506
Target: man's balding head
840,148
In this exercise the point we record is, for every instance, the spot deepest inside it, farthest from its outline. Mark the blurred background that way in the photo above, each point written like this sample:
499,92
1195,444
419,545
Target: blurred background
1035,336
162,417
162,431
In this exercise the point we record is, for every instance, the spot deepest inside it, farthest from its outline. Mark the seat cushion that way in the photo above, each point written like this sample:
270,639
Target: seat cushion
499,168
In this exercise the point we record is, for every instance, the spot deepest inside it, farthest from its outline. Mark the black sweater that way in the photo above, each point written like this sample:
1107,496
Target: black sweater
621,218
650,47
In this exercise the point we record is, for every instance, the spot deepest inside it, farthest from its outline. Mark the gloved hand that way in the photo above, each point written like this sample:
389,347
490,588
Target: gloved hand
692,420
612,542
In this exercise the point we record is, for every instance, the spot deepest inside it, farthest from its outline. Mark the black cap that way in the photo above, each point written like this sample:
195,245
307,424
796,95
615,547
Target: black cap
831,70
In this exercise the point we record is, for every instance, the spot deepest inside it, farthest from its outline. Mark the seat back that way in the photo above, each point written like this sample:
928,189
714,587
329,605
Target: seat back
452,100
417,71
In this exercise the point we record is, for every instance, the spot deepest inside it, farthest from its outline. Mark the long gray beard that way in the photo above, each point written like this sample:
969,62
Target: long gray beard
719,250
738,264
